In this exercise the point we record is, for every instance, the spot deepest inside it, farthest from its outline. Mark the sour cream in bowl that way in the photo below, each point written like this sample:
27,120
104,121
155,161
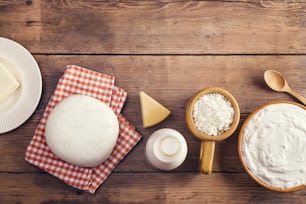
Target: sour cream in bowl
271,146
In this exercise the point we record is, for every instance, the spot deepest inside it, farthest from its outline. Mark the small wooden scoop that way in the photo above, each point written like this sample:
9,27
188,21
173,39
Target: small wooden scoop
277,82
207,141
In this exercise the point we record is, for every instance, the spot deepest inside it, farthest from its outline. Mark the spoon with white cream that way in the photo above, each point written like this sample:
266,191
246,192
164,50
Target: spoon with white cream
277,82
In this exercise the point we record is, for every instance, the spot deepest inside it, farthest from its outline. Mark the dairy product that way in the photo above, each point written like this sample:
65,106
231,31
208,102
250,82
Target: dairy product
82,130
152,111
8,83
213,114
166,149
274,145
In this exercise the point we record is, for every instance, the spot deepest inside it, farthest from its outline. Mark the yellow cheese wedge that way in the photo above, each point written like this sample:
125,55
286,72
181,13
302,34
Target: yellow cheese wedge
152,111
8,83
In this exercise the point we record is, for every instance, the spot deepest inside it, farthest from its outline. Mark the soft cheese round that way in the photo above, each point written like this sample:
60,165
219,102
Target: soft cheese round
82,130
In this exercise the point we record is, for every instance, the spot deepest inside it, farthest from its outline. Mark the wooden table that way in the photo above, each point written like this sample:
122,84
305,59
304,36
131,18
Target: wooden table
169,49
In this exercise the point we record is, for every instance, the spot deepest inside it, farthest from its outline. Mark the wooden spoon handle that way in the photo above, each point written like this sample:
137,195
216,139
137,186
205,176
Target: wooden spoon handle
207,156
297,96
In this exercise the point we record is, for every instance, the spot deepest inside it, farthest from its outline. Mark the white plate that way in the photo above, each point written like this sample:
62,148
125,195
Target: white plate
20,105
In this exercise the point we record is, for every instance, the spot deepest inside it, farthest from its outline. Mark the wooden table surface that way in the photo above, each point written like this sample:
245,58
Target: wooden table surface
169,49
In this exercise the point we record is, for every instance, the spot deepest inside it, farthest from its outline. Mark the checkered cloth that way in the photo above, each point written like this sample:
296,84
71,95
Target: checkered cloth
78,80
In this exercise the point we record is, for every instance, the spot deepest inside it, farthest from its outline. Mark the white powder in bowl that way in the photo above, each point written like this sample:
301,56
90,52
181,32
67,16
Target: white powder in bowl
213,114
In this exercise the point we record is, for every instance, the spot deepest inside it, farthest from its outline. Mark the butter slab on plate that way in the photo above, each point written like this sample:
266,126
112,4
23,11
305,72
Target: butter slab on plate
8,83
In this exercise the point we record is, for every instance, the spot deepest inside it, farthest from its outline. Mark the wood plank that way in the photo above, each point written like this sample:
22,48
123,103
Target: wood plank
172,80
169,49
144,188
21,21
156,27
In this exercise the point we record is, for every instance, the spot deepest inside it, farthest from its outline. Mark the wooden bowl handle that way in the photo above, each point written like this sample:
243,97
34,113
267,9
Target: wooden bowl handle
206,156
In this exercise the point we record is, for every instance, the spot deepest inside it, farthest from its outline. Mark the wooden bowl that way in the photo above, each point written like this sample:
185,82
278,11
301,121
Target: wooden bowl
240,139
208,141
190,122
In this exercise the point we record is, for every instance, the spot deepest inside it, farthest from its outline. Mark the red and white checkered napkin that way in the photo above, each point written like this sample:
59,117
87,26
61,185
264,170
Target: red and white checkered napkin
78,80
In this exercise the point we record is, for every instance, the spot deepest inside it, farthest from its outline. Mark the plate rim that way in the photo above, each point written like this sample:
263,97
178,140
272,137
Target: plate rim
36,100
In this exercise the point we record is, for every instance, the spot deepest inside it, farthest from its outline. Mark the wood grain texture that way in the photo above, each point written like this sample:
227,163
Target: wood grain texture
156,27
21,21
169,49
143,188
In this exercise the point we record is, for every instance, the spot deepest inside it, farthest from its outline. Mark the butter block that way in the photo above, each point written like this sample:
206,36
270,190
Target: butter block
8,83
152,111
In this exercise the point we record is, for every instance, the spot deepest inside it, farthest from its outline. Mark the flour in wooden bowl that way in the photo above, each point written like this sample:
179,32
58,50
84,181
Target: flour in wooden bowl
213,114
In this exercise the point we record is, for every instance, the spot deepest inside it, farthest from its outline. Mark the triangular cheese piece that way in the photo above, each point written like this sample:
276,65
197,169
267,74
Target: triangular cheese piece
152,111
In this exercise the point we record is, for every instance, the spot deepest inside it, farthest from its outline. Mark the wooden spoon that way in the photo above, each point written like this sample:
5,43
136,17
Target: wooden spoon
277,82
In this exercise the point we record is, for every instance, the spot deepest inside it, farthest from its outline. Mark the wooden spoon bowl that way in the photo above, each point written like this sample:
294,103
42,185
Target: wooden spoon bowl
277,82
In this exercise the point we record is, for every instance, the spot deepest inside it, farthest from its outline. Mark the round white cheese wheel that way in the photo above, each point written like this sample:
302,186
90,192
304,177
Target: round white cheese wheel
82,130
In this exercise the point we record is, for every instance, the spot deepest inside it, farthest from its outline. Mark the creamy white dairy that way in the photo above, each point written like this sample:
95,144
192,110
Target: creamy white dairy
274,145
213,114
166,149
82,130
